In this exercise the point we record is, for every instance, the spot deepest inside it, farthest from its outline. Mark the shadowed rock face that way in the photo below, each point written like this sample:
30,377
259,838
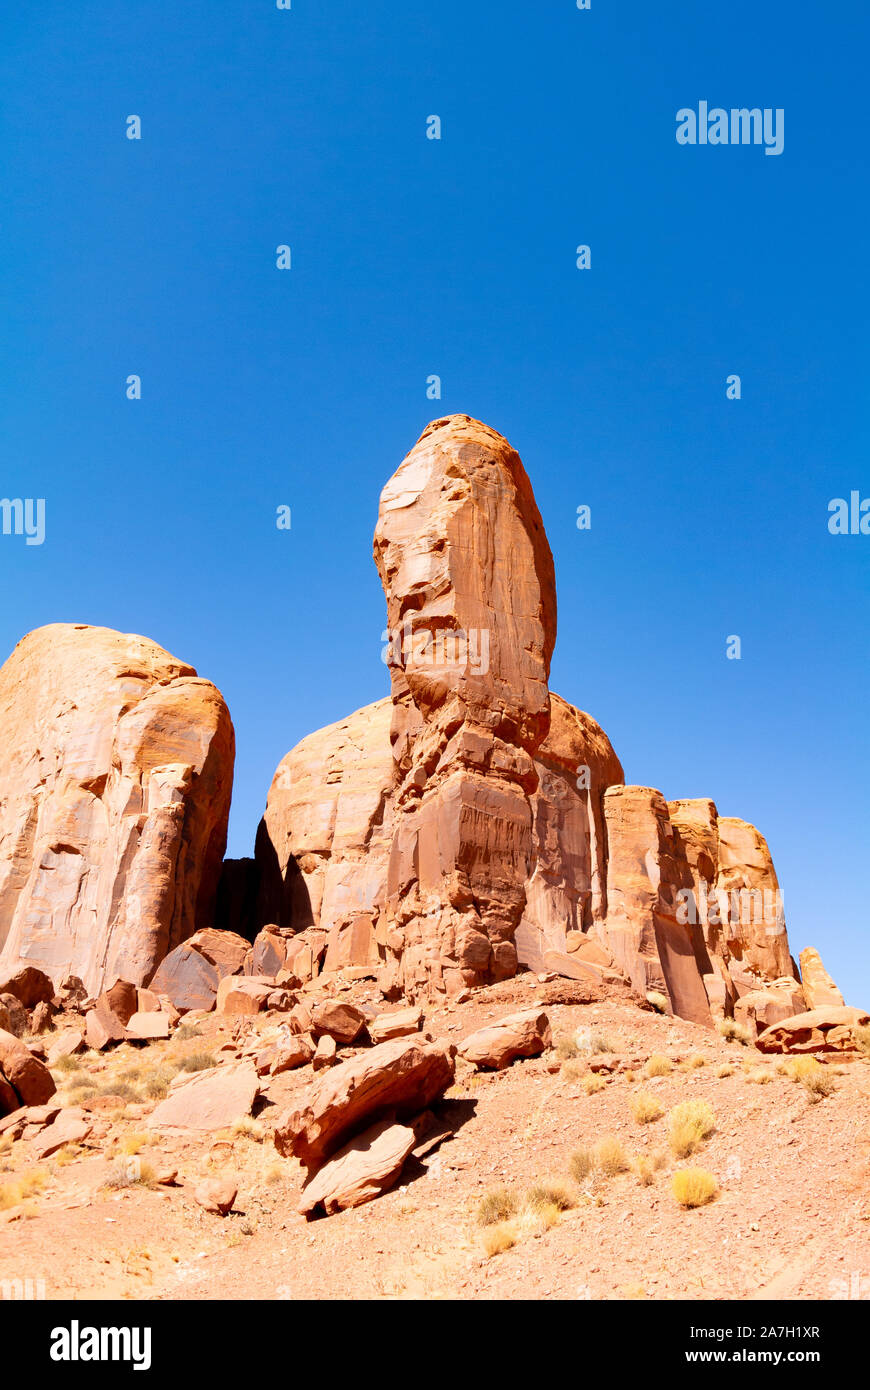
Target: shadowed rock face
474,822
115,785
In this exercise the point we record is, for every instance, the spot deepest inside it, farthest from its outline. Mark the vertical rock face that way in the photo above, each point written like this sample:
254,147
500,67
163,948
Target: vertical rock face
471,611
115,783
323,844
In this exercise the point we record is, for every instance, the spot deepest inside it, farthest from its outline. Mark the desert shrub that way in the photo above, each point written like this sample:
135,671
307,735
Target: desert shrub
186,1031
694,1187
581,1164
572,1071
566,1048
499,1204
550,1193
247,1128
816,1079
658,1065
71,1061
862,1038
122,1090
760,1076
645,1167
130,1172
609,1157
198,1061
17,1191
132,1143
498,1238
660,1002
690,1122
645,1107
726,1069
592,1083
692,1062
732,1031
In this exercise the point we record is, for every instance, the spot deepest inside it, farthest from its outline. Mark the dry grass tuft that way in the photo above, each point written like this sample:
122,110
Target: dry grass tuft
658,1065
198,1061
550,1192
660,1002
726,1069
592,1083
498,1238
732,1031
816,1079
609,1157
499,1204
694,1187
645,1107
691,1122
12,1194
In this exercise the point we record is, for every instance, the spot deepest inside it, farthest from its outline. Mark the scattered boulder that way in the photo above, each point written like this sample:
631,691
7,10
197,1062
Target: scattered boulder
403,1076
361,1170
29,985
188,979
13,1015
819,989
207,1100
68,1042
525,1034
244,995
292,1052
819,1030
216,1195
148,1026
29,1080
399,1024
41,1018
761,1008
72,1126
342,1021
325,1052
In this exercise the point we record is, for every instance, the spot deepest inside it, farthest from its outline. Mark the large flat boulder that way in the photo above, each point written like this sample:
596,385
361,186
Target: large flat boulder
207,1100
524,1034
819,1030
401,1077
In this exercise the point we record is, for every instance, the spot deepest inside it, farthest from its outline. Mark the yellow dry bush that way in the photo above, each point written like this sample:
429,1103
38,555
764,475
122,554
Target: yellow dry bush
816,1079
498,1238
694,1187
581,1164
550,1193
609,1157
645,1107
658,1065
592,1083
690,1123
499,1204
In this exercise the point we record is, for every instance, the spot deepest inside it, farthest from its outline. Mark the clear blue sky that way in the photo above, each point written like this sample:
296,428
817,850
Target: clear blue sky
411,257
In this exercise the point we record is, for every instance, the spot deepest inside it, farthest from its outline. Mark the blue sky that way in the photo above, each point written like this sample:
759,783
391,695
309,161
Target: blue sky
410,257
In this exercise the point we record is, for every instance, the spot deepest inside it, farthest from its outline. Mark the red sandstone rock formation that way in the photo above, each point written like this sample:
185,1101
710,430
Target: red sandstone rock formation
115,784
474,821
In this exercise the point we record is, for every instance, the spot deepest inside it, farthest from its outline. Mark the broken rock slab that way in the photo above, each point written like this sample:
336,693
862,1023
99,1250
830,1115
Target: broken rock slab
207,1100
361,1170
399,1024
525,1034
342,1021
403,1076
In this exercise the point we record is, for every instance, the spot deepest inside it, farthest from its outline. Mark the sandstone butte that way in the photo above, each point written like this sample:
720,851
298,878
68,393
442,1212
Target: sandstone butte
115,782
471,823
